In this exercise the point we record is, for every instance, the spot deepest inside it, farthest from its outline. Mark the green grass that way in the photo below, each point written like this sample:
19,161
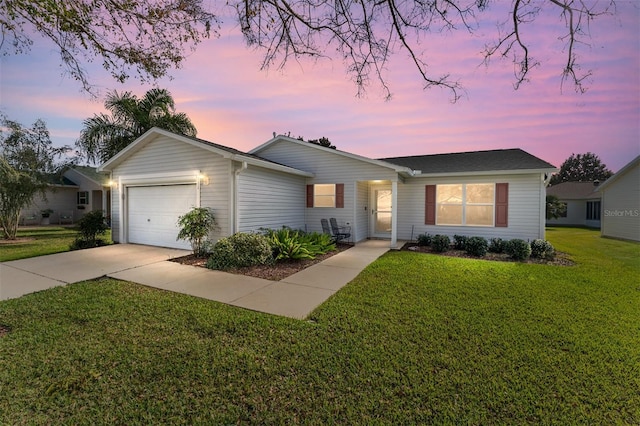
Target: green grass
41,241
414,339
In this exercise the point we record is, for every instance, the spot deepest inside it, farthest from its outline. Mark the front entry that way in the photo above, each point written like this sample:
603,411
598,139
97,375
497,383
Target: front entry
381,211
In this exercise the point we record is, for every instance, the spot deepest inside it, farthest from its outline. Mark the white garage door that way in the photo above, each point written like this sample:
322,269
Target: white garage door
153,213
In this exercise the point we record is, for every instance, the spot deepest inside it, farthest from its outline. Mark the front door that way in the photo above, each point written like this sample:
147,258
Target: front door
381,211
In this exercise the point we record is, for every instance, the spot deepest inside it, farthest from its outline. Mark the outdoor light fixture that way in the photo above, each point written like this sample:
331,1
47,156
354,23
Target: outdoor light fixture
204,179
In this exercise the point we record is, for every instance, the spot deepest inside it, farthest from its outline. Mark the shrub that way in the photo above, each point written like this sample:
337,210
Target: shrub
542,249
518,249
240,250
459,242
497,245
424,239
195,227
290,244
477,246
440,243
90,227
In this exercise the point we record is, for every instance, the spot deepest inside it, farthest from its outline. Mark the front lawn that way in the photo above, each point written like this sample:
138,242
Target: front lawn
415,339
38,241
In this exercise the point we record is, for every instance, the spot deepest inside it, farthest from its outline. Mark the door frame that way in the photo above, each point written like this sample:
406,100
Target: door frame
373,204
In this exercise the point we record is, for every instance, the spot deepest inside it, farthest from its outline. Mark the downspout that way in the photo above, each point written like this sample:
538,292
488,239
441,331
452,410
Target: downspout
546,177
236,219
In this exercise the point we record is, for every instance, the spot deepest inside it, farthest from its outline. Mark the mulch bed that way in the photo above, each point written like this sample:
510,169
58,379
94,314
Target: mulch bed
562,259
276,272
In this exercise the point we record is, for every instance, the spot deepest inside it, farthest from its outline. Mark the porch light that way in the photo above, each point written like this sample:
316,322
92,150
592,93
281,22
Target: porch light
204,179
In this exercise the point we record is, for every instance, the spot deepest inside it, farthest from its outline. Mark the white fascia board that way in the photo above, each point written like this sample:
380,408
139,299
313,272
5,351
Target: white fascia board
272,166
486,173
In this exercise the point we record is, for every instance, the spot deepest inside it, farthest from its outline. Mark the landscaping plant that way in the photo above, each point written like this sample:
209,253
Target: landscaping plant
440,243
240,250
542,249
477,246
195,226
518,249
424,239
90,227
496,245
460,242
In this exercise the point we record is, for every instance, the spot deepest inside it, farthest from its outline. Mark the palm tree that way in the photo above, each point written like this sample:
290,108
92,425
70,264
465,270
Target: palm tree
103,136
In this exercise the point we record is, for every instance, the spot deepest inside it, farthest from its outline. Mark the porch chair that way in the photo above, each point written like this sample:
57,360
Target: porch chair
340,232
65,217
325,227
30,218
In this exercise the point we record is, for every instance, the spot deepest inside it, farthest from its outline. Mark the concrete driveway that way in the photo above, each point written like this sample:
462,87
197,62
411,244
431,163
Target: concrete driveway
295,296
20,277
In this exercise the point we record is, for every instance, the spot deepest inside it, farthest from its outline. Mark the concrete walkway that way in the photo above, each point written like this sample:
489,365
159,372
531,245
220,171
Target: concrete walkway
295,296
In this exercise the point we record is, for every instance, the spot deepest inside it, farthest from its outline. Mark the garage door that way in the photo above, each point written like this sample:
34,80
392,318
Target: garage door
153,213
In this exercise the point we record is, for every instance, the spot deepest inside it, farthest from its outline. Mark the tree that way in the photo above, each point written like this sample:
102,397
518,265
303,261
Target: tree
145,37
27,161
581,168
323,141
153,37
103,136
555,207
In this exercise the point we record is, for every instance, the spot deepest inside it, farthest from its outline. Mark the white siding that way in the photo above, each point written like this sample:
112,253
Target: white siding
60,200
165,155
268,199
524,208
576,215
330,167
621,206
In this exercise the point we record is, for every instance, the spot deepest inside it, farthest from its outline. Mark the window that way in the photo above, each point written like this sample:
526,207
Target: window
325,195
83,197
593,210
471,204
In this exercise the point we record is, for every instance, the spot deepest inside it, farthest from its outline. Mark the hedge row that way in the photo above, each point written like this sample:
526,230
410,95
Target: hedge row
517,249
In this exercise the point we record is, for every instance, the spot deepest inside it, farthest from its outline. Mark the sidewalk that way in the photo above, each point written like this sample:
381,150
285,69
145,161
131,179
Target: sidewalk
295,296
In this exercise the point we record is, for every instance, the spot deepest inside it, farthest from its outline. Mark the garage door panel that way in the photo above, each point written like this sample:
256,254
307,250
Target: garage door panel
153,213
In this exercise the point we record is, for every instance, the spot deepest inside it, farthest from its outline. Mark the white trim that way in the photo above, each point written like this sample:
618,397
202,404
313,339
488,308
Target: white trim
151,134
620,172
485,173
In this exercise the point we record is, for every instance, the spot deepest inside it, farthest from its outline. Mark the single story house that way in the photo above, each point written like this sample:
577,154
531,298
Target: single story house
582,200
285,181
621,203
81,190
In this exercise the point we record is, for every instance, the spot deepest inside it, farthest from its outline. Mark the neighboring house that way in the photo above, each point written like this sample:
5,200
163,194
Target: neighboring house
621,203
82,190
285,181
583,204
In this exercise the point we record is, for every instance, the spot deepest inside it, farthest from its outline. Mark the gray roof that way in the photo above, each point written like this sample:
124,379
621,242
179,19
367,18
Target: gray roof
476,161
574,191
92,173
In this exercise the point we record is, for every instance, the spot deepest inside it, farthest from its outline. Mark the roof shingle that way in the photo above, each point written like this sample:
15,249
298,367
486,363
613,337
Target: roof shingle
475,161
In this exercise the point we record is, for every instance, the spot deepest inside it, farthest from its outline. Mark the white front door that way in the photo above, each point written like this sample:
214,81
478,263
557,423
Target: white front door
381,211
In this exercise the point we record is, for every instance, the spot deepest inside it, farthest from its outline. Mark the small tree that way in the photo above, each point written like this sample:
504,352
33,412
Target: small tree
581,168
92,225
555,208
195,227
27,161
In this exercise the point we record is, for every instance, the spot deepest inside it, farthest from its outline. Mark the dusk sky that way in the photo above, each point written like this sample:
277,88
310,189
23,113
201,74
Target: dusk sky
232,102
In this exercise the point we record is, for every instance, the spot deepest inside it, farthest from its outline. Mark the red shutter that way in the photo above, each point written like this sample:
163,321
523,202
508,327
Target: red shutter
430,205
309,196
340,195
502,204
